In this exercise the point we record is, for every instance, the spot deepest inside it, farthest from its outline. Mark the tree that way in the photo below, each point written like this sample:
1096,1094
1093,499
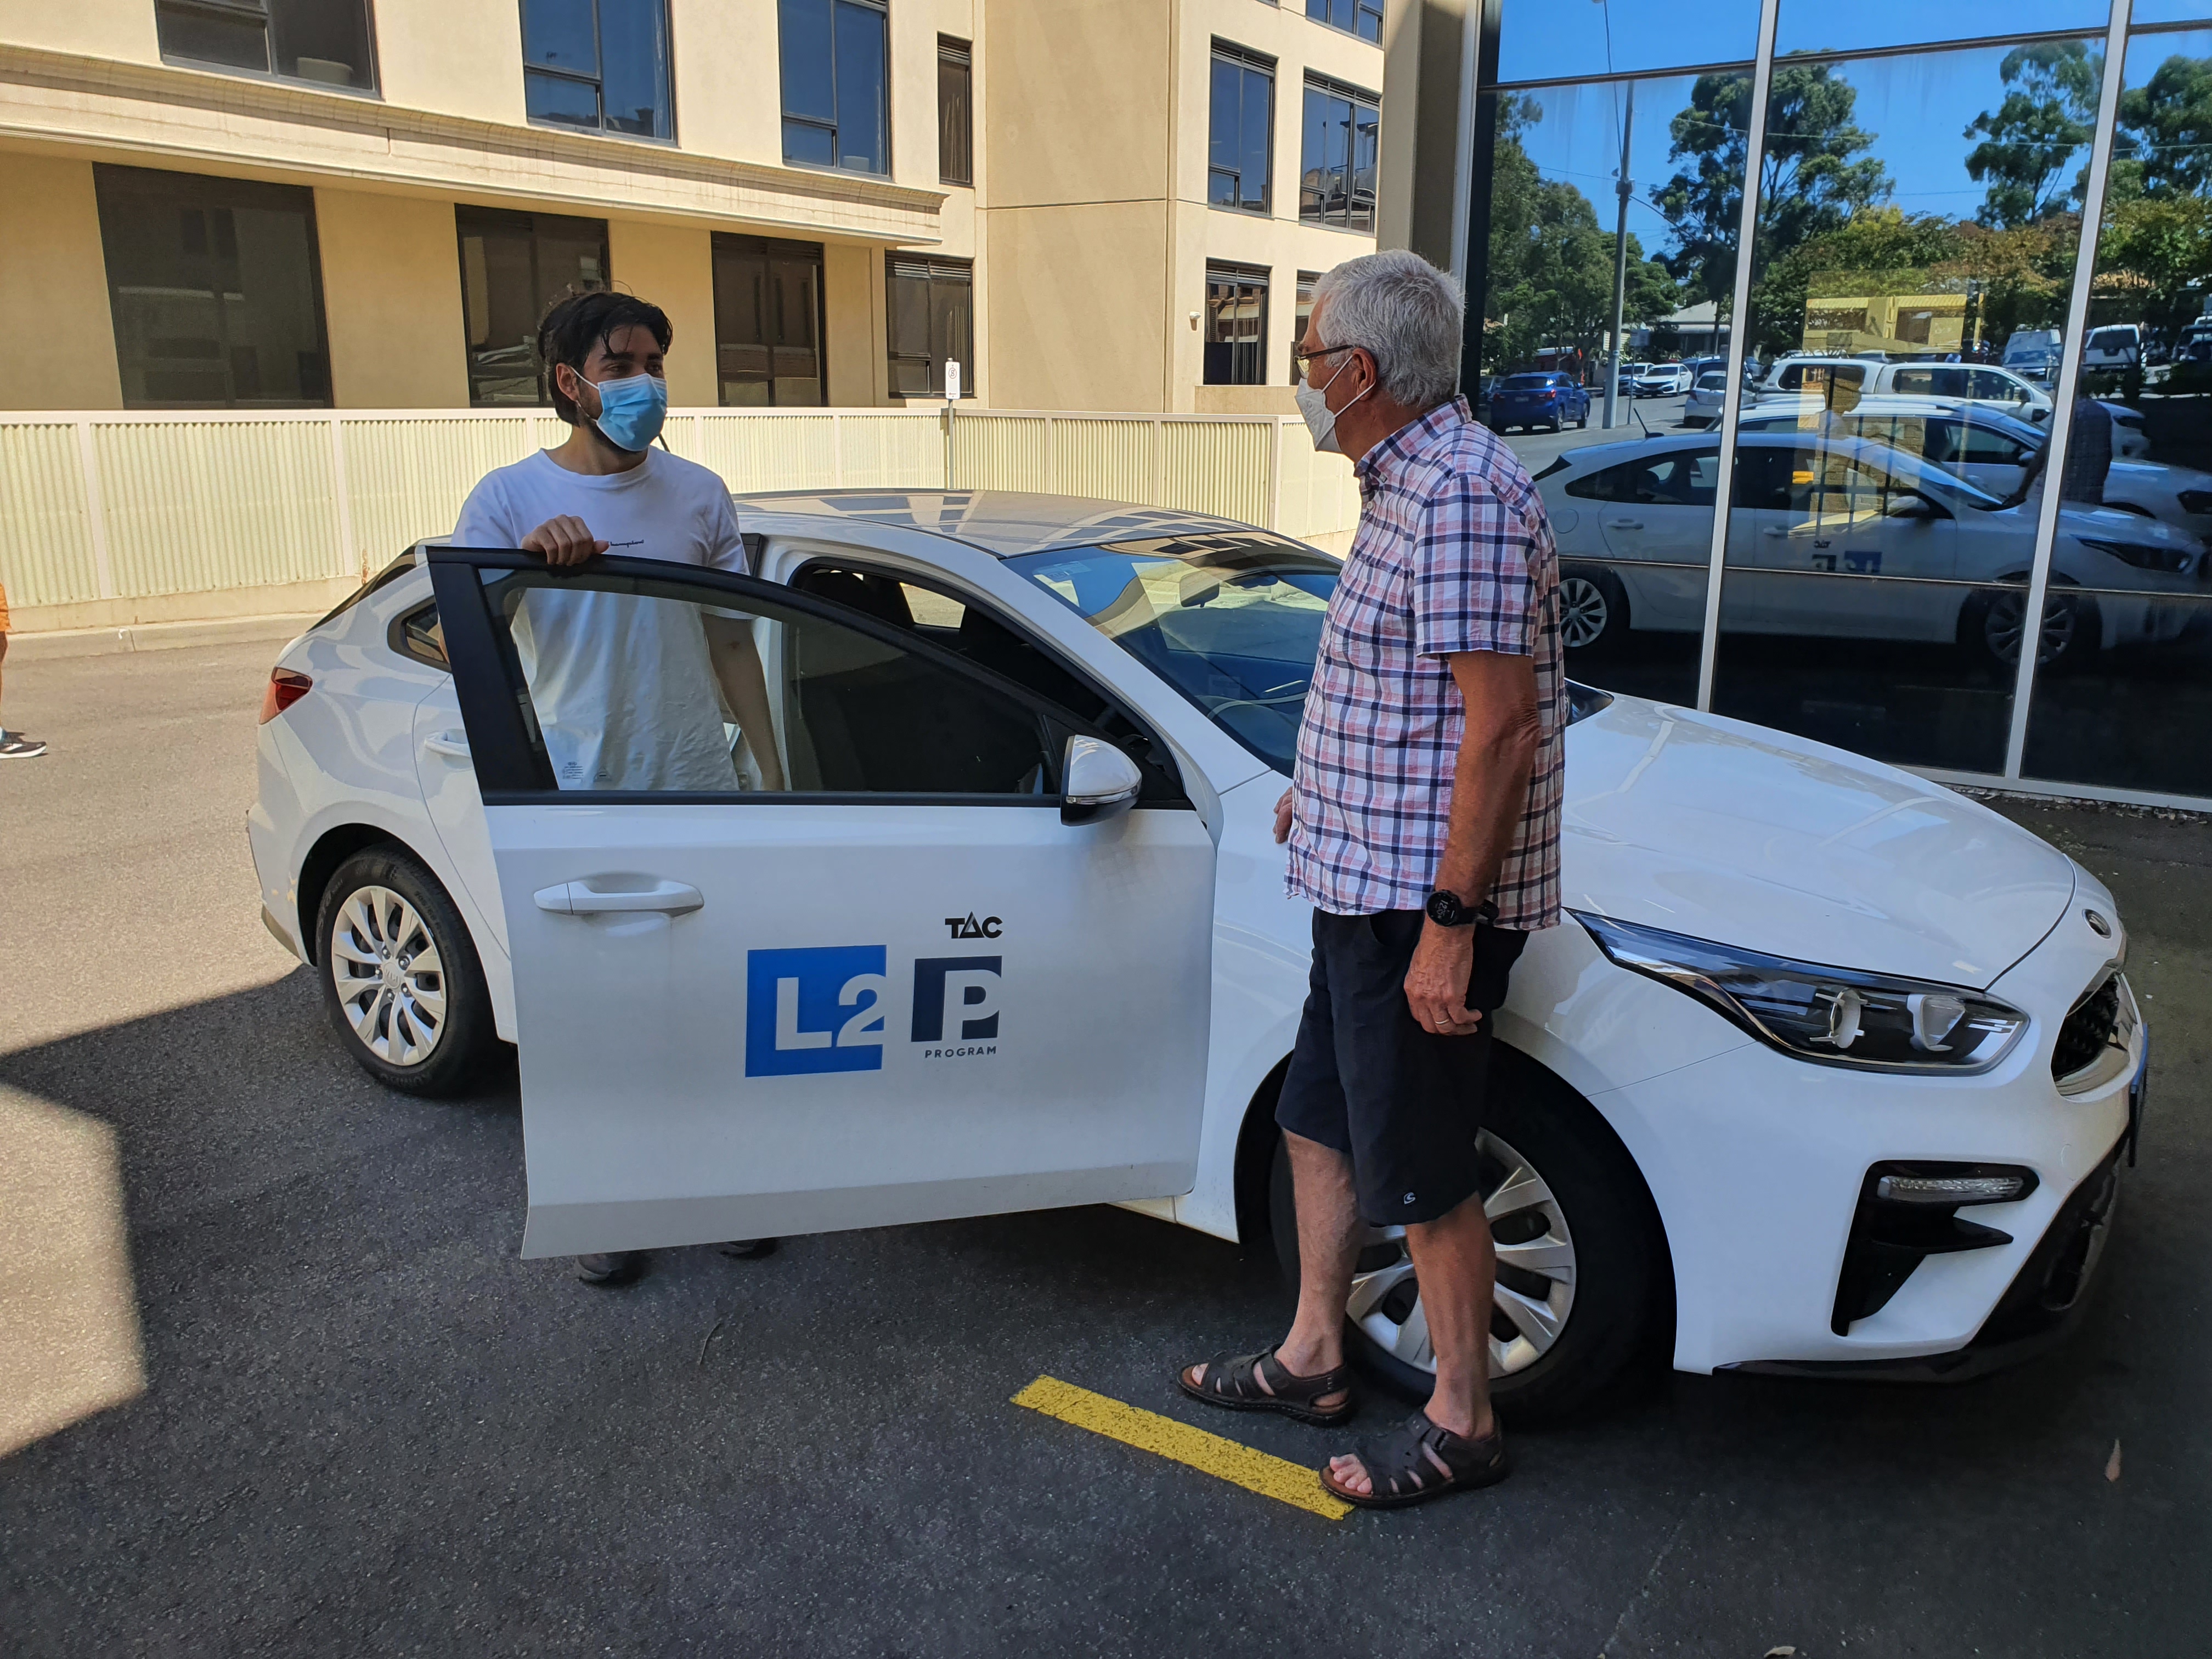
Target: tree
1813,176
2049,114
2166,130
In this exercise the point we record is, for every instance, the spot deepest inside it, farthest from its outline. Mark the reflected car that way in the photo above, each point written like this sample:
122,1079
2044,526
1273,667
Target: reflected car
1634,523
1543,400
1994,452
1703,406
1660,380
1798,379
994,919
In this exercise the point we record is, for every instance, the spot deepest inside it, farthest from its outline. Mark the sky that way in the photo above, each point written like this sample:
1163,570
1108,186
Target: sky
1916,107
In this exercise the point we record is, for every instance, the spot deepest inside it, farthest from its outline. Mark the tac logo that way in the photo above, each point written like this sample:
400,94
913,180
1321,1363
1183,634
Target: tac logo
810,1011
968,928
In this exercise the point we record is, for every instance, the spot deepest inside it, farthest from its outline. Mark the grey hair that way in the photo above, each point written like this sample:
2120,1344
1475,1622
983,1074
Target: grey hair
1409,316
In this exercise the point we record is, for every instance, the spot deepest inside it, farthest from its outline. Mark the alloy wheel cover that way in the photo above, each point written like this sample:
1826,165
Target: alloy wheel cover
1583,613
1537,1255
390,979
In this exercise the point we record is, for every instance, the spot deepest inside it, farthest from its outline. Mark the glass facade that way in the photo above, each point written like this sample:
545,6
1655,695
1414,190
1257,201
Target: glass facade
513,266
835,60
601,65
1956,271
1241,129
1235,344
932,322
1338,141
768,322
327,42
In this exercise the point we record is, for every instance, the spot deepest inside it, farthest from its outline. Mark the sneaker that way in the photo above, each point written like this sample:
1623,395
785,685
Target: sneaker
13,745
615,1268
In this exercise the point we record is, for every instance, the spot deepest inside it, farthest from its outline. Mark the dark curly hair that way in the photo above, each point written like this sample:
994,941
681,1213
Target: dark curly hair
575,323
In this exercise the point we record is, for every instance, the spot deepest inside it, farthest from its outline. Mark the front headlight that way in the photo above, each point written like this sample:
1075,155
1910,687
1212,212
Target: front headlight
1834,1016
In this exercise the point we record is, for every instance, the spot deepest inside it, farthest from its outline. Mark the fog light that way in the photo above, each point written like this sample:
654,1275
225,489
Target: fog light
1952,1189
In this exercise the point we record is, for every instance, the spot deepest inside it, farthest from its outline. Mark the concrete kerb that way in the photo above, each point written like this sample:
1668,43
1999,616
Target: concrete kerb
155,636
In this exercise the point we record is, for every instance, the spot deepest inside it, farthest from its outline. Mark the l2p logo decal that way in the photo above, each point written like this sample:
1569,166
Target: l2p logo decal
961,991
815,1011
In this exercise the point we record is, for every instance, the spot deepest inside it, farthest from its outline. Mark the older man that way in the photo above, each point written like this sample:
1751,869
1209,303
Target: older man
1423,827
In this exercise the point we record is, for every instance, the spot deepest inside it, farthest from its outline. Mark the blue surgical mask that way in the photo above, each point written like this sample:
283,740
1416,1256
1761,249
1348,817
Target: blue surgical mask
631,410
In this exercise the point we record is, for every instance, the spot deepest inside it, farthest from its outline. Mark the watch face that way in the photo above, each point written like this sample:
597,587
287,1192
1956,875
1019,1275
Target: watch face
1443,909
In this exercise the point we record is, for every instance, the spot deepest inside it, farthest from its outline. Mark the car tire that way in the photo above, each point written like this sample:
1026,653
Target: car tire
1554,425
1989,627
1593,611
421,1030
1582,422
1593,1200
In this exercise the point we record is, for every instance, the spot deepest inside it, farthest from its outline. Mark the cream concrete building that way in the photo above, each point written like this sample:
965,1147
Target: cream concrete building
364,204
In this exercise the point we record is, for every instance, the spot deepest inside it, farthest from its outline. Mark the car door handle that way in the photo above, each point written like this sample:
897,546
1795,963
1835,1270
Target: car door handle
1624,524
452,745
600,895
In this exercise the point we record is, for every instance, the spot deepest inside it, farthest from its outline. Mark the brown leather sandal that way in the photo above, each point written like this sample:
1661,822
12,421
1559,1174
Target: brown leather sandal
1233,1382
1398,1471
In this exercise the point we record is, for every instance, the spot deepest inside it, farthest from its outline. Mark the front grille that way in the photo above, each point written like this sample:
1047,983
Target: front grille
2089,1030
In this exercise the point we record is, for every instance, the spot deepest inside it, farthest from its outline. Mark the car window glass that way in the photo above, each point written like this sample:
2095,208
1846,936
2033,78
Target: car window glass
1988,383
1232,621
1980,443
418,634
1913,382
662,687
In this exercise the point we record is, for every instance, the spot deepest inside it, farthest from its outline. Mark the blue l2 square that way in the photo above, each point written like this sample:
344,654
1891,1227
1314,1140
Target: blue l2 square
815,1011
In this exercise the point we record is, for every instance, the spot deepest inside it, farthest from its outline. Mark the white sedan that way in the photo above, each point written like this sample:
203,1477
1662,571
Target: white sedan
1838,535
1829,1070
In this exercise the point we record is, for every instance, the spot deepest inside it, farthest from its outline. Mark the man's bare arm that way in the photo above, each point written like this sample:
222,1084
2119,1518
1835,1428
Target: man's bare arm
1490,793
744,687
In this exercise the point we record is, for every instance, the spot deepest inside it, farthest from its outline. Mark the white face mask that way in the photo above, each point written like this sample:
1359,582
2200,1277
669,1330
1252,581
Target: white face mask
1319,418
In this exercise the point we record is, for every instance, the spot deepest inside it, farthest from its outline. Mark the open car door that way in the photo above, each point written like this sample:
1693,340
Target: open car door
808,930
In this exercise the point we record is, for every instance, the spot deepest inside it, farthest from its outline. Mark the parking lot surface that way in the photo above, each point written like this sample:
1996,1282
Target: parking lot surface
356,1423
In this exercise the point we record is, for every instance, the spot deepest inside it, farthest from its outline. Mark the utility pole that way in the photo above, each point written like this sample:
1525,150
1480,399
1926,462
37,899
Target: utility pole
1620,261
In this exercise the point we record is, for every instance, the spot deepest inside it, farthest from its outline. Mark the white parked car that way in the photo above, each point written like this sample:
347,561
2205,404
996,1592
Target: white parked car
1993,453
1704,405
1660,380
1635,522
1831,1067
1798,379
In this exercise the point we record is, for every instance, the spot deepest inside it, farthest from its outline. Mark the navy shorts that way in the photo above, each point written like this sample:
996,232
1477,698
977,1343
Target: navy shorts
1402,1102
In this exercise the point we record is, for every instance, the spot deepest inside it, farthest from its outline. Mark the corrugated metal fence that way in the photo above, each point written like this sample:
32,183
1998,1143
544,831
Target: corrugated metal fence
110,519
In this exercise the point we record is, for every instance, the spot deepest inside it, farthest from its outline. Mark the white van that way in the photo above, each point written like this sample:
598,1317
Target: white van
2117,345
1799,378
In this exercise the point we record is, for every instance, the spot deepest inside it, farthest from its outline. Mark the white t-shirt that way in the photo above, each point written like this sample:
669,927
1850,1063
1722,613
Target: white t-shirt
623,686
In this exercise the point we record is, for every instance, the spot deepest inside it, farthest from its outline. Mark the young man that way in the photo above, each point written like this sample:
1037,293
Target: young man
629,692
13,745
1423,827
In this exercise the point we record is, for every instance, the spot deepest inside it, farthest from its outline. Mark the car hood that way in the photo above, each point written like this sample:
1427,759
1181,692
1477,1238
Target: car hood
1737,835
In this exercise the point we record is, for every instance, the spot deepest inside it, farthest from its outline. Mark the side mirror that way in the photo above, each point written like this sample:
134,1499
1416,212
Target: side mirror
2039,414
1912,505
1100,781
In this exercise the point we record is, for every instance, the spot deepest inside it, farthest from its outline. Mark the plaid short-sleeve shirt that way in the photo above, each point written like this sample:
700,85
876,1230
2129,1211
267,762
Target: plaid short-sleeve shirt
1454,554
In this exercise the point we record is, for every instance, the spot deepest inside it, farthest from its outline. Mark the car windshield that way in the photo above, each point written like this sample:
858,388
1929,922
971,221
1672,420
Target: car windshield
1231,621
1713,379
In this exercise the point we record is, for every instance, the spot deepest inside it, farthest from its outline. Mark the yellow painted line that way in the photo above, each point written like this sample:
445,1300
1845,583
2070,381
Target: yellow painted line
1225,1459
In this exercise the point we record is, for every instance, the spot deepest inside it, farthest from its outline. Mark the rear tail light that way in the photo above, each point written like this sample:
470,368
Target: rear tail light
286,686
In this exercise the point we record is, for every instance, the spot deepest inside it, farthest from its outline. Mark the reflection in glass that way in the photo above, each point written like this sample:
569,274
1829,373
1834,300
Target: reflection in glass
1338,142
514,266
601,66
1634,519
1551,43
1918,216
1241,129
323,41
1808,26
931,323
836,93
768,322
2125,708
1236,340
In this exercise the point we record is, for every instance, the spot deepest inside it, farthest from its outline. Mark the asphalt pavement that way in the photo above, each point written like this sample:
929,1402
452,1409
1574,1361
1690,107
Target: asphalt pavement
350,1420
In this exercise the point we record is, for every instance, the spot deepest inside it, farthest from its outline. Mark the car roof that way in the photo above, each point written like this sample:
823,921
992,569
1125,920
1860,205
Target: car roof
1003,522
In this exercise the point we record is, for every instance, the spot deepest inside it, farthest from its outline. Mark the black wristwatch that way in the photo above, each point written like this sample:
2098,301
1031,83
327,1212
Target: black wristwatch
1445,910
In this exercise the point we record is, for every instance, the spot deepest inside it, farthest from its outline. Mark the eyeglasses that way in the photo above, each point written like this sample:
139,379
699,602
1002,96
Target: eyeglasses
1301,359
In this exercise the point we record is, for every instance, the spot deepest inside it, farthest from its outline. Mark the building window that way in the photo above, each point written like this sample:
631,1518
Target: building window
1236,324
326,41
932,322
836,89
1361,17
768,322
956,111
514,266
217,291
1307,281
1243,128
1336,171
598,65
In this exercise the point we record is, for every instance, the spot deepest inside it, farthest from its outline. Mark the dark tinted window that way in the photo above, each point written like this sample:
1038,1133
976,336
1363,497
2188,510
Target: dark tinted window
768,322
1338,142
1682,478
1361,17
512,266
1236,324
215,289
931,323
598,65
324,41
956,119
836,93
1243,128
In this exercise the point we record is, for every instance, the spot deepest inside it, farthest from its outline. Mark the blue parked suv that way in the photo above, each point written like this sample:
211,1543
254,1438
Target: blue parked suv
1545,400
